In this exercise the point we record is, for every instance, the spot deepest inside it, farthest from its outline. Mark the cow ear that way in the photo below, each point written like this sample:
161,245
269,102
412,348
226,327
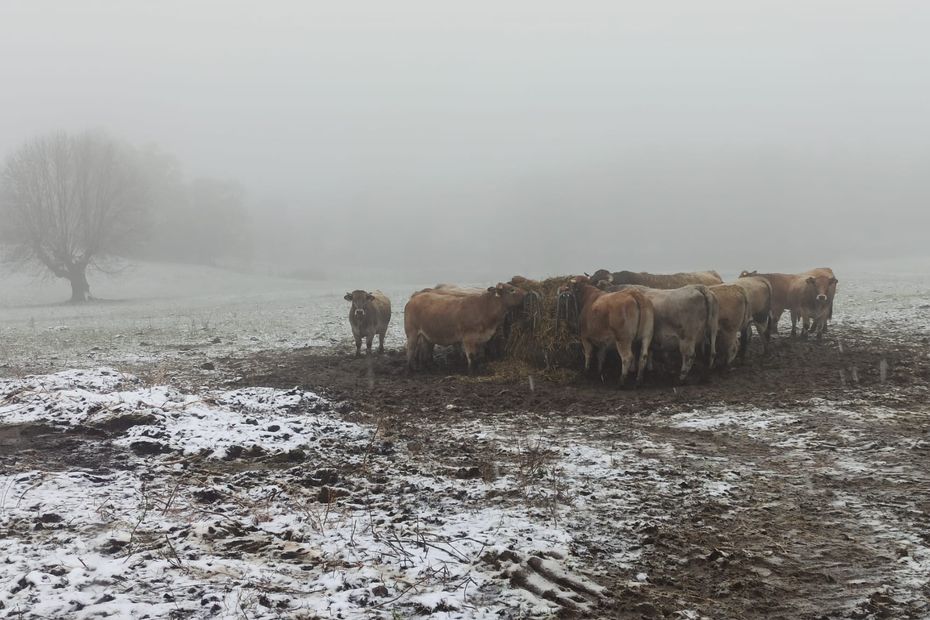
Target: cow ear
811,280
491,289
348,297
587,275
370,297
833,280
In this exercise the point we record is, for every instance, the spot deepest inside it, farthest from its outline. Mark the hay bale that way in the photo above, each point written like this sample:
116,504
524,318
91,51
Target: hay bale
535,336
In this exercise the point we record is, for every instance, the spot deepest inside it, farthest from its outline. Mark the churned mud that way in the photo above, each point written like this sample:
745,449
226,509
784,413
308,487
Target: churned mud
309,483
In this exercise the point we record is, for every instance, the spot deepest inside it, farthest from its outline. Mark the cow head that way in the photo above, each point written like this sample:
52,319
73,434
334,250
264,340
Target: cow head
822,288
601,275
573,285
361,303
748,274
508,293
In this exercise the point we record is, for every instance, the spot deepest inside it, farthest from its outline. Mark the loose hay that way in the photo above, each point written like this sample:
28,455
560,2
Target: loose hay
537,338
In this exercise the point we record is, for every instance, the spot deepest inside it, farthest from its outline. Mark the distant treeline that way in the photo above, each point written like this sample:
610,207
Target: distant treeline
202,221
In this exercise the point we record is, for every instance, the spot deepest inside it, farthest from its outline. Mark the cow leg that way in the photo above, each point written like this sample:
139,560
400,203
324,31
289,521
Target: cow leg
765,332
687,358
588,349
733,349
744,337
723,341
794,323
381,342
368,341
358,346
471,350
601,354
626,360
774,319
820,326
413,351
805,326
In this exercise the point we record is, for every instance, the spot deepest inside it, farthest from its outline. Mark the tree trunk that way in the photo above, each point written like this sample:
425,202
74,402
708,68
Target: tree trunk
80,289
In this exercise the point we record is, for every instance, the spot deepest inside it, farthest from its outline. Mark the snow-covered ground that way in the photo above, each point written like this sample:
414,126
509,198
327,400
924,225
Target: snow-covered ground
252,503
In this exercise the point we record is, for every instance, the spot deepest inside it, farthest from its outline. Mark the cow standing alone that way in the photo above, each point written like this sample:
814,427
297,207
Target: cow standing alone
810,299
369,315
783,298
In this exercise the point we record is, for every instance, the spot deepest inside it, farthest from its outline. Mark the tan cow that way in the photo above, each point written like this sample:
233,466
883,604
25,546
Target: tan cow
810,300
734,315
452,289
656,280
447,319
759,292
369,315
620,320
781,286
523,281
685,320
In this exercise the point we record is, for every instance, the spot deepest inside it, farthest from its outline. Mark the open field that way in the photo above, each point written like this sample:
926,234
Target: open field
219,454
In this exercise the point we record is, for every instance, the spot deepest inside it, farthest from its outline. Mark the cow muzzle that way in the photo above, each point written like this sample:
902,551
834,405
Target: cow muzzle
821,298
359,313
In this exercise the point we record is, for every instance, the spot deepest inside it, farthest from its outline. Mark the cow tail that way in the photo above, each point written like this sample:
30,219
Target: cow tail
710,325
747,314
768,316
641,320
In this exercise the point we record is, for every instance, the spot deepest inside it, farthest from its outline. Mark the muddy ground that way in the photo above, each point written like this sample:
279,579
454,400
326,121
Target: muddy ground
795,536
794,485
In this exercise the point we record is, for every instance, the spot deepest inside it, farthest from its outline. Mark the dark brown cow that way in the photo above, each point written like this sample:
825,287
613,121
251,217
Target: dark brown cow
369,315
759,292
734,315
621,320
781,285
656,280
447,319
810,300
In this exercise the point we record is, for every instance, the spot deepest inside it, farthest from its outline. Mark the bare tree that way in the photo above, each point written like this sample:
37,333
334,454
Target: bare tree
69,202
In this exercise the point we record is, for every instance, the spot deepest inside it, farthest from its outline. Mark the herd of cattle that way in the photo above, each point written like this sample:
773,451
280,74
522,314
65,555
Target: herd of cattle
640,315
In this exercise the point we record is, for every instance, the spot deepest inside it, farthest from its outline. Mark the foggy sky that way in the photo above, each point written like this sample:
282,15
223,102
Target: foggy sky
505,137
